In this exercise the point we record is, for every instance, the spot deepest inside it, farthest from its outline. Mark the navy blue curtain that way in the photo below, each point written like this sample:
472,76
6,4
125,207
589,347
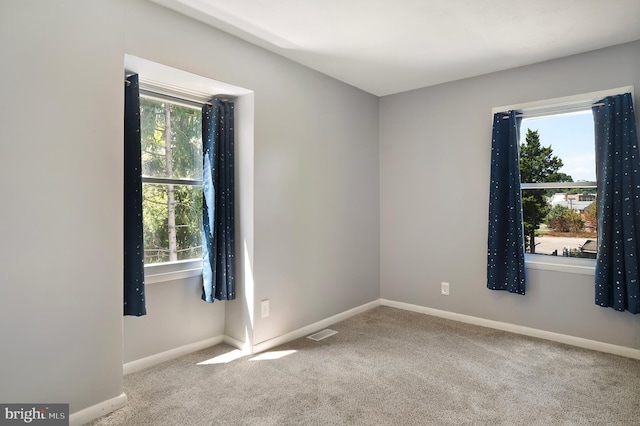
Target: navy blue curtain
134,303
617,168
218,229
505,257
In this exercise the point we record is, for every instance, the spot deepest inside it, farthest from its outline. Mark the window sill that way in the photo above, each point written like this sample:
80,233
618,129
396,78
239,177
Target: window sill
163,272
560,264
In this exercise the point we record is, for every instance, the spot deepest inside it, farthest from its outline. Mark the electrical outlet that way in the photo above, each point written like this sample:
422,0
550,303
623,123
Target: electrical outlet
444,288
265,308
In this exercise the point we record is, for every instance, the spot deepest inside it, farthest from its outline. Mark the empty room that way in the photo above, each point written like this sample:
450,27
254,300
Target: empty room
444,195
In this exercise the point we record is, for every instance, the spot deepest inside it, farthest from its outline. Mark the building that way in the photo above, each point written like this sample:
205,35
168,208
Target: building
576,202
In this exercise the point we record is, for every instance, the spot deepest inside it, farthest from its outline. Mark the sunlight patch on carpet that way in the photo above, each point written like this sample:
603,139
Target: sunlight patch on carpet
224,358
272,355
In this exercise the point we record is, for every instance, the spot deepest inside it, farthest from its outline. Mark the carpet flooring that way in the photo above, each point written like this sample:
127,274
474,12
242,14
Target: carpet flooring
389,367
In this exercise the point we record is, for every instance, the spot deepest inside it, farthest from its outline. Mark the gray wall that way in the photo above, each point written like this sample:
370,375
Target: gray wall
315,217
435,158
314,224
175,317
61,220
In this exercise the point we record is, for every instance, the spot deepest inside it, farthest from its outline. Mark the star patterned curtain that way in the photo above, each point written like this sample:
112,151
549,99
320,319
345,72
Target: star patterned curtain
218,228
134,303
505,263
618,174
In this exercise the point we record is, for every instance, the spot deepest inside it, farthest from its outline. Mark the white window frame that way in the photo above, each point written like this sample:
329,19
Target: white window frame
194,89
548,107
170,271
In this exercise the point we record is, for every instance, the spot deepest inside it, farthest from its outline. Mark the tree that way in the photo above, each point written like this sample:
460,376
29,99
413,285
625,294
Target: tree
537,165
171,148
171,197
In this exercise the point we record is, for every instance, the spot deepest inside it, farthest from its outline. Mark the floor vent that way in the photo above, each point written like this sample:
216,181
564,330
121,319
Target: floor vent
322,334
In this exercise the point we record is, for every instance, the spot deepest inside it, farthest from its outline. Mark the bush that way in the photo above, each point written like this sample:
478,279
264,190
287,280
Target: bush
563,219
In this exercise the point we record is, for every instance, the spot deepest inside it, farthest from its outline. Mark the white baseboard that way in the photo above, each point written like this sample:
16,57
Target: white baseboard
238,344
301,332
96,411
150,361
518,329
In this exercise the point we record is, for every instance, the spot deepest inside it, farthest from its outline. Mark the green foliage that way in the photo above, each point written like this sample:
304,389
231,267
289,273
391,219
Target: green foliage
188,221
186,140
534,211
182,159
188,206
559,177
537,164
154,207
563,219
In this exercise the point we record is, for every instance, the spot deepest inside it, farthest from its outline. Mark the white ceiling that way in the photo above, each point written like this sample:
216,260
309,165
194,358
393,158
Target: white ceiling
391,46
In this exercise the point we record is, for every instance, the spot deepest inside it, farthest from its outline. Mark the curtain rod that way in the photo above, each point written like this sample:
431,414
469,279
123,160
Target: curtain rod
180,99
163,96
552,111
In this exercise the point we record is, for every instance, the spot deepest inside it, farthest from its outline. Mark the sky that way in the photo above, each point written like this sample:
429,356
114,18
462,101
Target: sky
571,138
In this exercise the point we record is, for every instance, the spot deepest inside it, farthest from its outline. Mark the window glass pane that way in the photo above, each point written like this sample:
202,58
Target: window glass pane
172,221
560,221
180,155
566,137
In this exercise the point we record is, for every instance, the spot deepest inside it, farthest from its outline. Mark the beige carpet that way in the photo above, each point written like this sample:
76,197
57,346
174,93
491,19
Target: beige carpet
391,367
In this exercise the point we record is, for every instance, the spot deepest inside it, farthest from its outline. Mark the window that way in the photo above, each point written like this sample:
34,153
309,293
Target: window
565,195
558,180
171,136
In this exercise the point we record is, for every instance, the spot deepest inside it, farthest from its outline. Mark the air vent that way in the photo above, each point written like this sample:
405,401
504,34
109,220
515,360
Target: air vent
322,334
